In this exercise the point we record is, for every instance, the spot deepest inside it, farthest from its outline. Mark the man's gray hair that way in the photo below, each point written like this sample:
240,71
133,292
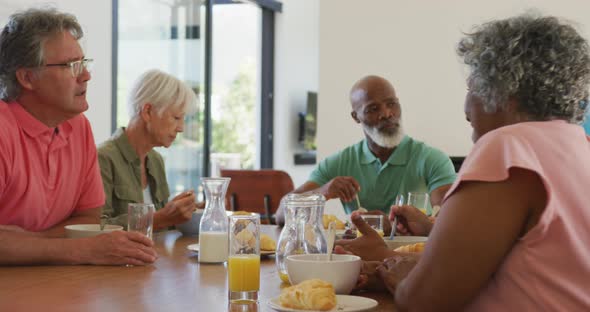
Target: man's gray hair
22,40
541,62
162,91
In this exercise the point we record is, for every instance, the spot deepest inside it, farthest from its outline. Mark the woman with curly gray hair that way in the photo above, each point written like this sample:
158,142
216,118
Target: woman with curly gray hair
512,234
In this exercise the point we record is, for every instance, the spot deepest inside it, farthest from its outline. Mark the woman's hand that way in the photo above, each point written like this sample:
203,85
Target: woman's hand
180,209
411,221
369,278
394,269
370,246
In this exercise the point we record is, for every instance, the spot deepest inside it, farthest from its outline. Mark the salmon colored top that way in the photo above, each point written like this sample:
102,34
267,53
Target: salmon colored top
46,174
548,269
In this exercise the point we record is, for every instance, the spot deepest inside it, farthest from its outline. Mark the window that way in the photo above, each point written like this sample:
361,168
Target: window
223,51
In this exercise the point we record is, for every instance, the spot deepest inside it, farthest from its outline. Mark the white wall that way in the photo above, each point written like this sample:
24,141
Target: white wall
411,43
296,72
296,68
95,19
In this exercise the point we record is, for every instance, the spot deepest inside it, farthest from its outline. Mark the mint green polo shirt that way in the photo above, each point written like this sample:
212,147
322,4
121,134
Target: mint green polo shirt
412,167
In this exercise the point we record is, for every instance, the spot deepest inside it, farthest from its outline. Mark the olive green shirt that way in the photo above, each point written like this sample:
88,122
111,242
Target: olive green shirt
121,177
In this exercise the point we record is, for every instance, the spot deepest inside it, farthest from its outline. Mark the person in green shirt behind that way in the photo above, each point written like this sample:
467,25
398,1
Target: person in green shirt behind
386,163
132,171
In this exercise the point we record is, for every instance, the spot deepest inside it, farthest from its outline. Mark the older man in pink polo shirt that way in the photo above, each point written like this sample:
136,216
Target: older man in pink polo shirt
49,175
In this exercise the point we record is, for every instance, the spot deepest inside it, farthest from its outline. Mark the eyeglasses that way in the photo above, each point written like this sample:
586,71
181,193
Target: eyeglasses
76,67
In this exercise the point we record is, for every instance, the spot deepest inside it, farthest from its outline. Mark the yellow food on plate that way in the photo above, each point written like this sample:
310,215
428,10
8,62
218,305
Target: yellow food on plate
267,243
284,277
241,213
327,218
313,294
417,247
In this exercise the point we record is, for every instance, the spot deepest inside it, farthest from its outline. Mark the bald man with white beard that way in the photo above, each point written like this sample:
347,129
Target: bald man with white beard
384,164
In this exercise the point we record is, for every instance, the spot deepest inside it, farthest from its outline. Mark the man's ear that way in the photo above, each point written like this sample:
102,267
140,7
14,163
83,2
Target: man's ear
25,78
353,115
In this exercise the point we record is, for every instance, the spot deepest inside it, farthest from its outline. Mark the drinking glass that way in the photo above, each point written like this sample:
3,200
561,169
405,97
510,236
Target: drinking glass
418,200
140,218
375,221
243,264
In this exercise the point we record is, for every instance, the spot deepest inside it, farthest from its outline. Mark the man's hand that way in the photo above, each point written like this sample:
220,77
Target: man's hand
395,269
180,209
344,188
370,246
411,221
116,248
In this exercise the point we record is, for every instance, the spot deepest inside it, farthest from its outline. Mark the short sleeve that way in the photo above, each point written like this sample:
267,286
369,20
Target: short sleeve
438,170
325,170
492,157
106,172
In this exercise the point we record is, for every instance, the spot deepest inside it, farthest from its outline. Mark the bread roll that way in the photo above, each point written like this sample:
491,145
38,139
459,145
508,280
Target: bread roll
241,213
313,294
267,243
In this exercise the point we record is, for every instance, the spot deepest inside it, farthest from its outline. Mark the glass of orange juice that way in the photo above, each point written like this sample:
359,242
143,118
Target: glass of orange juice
419,200
243,264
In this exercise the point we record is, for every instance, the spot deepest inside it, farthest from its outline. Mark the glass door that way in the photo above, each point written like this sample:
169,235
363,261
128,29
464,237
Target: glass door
166,35
235,74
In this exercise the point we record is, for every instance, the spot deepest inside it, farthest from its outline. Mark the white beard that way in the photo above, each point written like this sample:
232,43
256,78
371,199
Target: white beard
385,140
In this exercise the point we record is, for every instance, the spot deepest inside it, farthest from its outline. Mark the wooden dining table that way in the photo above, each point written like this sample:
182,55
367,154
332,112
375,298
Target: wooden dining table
175,282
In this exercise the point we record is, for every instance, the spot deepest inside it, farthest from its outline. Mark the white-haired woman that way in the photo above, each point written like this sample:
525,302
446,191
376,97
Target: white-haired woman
132,171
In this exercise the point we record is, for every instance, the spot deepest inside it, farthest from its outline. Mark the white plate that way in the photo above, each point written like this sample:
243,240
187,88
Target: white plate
195,248
344,303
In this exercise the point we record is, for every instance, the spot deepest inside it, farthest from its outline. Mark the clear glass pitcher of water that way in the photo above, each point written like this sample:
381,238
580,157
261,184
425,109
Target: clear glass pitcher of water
302,233
213,239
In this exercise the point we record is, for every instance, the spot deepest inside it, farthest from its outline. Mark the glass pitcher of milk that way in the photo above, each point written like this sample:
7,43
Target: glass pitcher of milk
302,233
213,239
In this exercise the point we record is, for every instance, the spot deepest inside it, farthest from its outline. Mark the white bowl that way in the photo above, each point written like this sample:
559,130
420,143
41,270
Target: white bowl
342,272
399,241
191,227
88,230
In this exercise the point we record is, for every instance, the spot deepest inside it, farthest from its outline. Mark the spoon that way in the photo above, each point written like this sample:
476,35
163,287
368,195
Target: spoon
103,221
331,238
399,200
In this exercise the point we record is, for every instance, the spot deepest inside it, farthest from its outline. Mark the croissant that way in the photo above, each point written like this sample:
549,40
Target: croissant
417,247
313,294
267,243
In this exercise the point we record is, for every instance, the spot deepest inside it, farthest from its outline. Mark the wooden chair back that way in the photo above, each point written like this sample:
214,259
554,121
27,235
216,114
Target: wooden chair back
257,191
